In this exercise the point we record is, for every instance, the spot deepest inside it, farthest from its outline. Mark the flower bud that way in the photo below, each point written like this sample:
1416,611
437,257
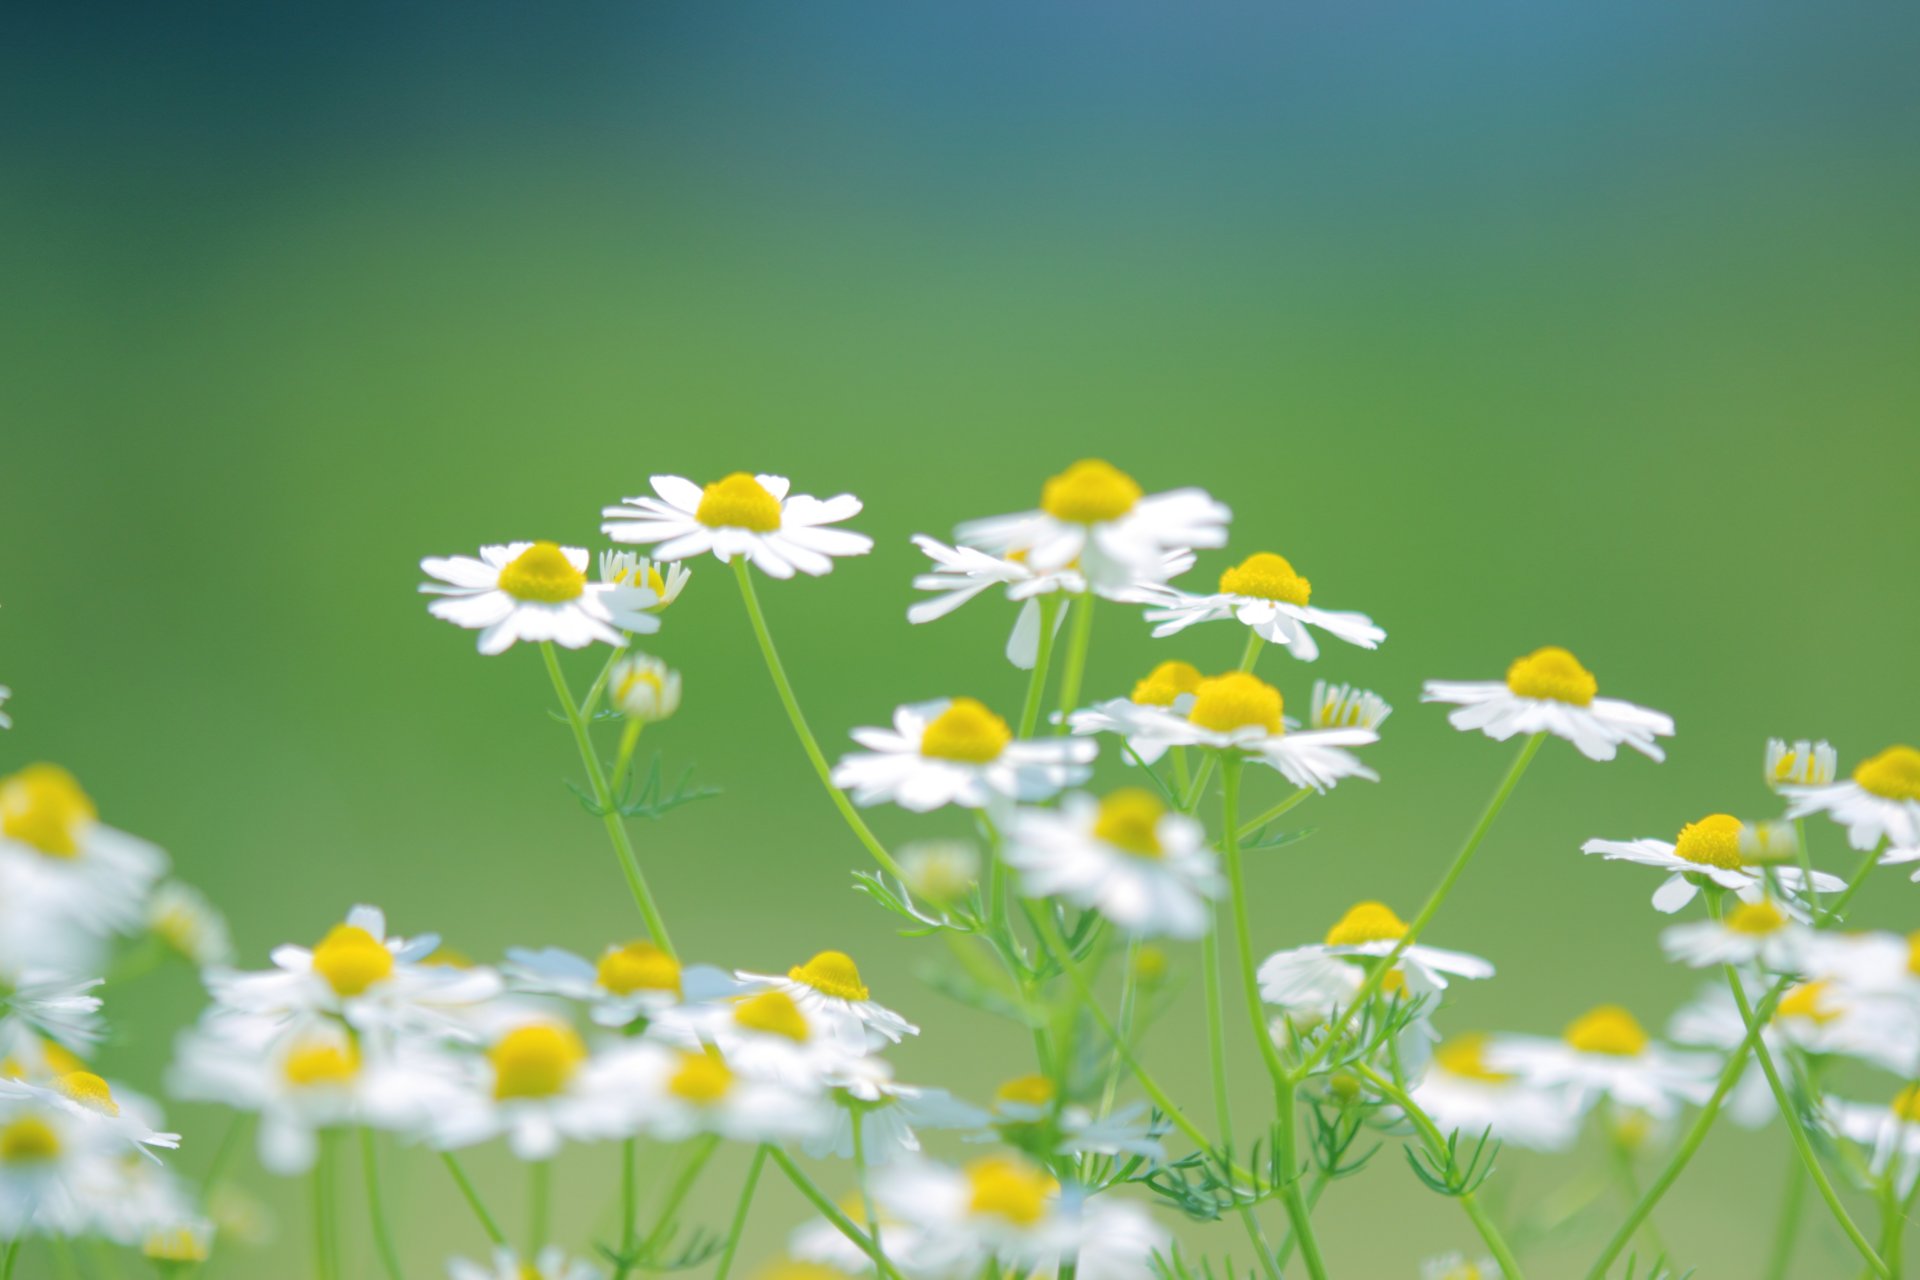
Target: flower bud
645,689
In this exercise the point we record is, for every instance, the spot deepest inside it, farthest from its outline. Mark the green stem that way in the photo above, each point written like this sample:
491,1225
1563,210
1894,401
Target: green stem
474,1202
700,1153
223,1155
1078,643
603,800
539,1204
1194,793
740,1213
808,742
376,1207
1787,1221
1042,659
629,1195
1251,654
1129,997
1255,824
13,1254
860,1178
629,739
1630,1182
1835,911
1216,1030
831,1212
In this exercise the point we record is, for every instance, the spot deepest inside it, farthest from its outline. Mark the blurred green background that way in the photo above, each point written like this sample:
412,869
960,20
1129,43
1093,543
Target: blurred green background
1510,325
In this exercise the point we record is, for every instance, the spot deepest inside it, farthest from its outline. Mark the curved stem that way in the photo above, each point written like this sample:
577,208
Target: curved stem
1839,905
740,1209
1216,1030
487,1224
1042,659
376,1207
808,742
603,799
860,1179
629,1196
1078,643
1630,1183
700,1153
831,1212
13,1255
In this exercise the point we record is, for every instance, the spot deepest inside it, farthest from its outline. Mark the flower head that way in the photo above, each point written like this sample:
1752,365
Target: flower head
1264,594
1548,691
536,591
740,515
956,751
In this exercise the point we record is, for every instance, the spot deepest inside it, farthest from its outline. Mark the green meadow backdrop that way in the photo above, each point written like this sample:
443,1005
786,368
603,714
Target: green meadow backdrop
1509,325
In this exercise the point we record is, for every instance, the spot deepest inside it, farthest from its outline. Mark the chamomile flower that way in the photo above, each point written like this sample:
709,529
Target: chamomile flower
956,751
551,1263
1458,1266
674,1094
1345,706
1548,691
763,1034
829,986
59,863
1147,869
47,1156
1880,802
941,871
890,1114
1880,966
535,591
41,1002
1314,980
538,1088
666,579
1606,1054
183,1241
1465,1095
1891,1133
1169,687
1769,935
741,515
90,1099
628,982
191,926
644,688
1265,595
1096,517
820,1252
1804,763
1707,850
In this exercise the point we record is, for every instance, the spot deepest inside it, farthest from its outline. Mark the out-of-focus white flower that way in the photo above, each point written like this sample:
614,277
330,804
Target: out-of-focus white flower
1763,933
90,1100
1548,691
644,688
535,591
889,1114
1463,1094
630,981
182,917
1891,1133
538,1088
829,986
941,871
68,880
1458,1266
1804,763
185,1241
741,515
42,1003
1606,1054
1705,850
1265,595
666,579
1169,687
551,1263
1880,802
673,1094
1095,517
956,751
1314,980
1146,869
1025,1102
763,1034
47,1156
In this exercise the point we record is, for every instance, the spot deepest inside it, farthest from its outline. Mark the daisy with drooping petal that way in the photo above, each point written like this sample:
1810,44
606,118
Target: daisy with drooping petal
1463,1094
829,985
1605,1054
1880,802
1168,687
666,579
1548,691
628,982
890,1114
1769,935
1709,849
1145,868
741,515
1800,764
535,591
82,880
90,1099
956,751
1315,980
1890,1133
1096,517
551,1263
1265,595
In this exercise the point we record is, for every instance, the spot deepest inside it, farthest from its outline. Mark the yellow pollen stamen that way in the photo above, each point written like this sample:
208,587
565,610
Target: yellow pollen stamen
28,1140
89,1090
61,1060
1266,576
1466,1056
42,806
738,502
831,973
638,966
966,731
1090,492
1367,922
1714,841
543,574
1167,682
1756,918
774,1013
321,1062
1808,1000
702,1079
1026,1091
1236,701
1554,674
1008,1189
1129,819
351,960
1894,774
1608,1029
1906,1104
535,1061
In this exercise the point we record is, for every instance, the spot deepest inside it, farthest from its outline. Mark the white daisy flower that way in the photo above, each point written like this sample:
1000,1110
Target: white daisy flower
535,591
673,1094
1146,869
1606,1054
1880,802
1346,706
956,751
1770,935
1315,980
1804,763
940,871
40,1002
763,1034
1026,1102
1265,595
130,1200
539,1088
644,688
742,515
49,1155
379,984
86,1096
1169,687
1463,1094
890,1114
551,1263
1548,691
1242,713
629,982
1458,1266
183,918
821,1252
1094,516
1707,850
183,1241
665,578
60,864
1883,967
1891,1133
829,985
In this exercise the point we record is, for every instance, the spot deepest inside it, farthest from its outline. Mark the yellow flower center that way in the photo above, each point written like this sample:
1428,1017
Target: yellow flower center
1608,1029
1756,918
702,1079
28,1140
793,1270
175,1244
1266,576
1090,492
1913,953
535,1061
1165,683
1235,701
1714,841
1367,922
1554,674
1008,1189
1026,1091
1464,1271
1894,774
966,731
351,960
738,502
321,1062
1906,1104
89,1090
638,966
543,574
1150,964
831,973
774,1013
43,806
59,1059
1808,1000
1130,819
1466,1056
